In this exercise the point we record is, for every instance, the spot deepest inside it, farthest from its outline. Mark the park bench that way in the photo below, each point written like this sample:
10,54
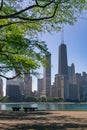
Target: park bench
16,108
30,108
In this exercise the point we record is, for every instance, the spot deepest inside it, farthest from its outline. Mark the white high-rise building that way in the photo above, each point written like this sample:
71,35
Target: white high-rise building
59,86
47,77
40,87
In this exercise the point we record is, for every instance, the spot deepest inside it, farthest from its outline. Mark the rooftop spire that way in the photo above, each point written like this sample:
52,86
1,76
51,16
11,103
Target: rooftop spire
62,36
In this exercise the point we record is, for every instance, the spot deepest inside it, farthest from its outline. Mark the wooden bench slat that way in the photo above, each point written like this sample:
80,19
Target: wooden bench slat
16,108
30,108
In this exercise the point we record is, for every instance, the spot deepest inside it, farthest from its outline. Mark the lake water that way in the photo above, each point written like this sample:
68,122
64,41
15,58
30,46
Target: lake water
46,106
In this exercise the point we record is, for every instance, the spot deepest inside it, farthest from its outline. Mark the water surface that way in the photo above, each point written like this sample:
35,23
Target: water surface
46,106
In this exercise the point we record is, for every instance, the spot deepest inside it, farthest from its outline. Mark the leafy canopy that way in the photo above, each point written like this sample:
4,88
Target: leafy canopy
20,23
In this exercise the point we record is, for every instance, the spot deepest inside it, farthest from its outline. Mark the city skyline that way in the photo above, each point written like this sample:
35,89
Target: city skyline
75,38
67,84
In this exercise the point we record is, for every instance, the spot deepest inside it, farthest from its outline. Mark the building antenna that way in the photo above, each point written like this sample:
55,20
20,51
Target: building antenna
62,35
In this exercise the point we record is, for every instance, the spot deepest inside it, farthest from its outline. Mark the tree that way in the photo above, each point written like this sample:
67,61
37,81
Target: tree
20,22
18,53
5,99
39,14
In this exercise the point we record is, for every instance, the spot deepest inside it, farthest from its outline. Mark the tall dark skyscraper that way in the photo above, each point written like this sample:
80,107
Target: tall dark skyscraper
63,66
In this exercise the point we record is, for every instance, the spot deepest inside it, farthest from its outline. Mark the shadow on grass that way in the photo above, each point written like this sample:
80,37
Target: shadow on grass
4,115
40,120
52,126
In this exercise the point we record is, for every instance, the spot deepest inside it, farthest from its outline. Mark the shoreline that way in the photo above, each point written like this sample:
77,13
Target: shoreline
43,102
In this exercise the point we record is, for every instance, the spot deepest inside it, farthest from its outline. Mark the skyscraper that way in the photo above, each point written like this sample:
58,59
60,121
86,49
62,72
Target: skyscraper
40,86
63,68
18,82
1,87
71,74
13,90
59,86
73,87
47,77
27,85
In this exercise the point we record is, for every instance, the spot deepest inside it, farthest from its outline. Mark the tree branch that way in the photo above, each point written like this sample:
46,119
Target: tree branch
1,5
9,52
36,2
41,18
10,23
14,15
9,78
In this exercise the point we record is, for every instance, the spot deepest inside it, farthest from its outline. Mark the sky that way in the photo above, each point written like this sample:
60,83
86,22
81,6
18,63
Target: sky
75,37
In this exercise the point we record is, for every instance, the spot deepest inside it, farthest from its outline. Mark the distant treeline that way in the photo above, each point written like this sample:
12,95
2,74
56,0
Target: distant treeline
36,99
30,99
